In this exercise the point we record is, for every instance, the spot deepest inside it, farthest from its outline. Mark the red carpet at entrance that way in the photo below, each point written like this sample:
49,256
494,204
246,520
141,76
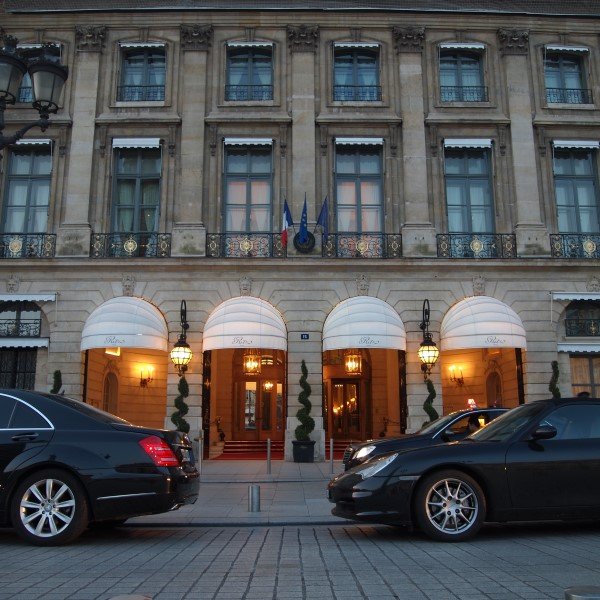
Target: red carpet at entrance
257,450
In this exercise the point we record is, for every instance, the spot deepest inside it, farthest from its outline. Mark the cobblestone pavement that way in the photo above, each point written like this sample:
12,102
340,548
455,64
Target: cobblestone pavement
312,561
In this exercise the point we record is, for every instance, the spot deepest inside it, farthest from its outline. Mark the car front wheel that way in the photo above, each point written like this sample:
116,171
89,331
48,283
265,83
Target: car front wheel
449,506
49,508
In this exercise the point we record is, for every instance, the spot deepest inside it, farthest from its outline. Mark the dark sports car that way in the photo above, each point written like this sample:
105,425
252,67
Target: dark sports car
65,464
450,428
540,461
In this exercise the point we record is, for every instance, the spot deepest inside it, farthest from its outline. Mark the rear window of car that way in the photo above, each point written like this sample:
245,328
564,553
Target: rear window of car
87,410
24,417
7,406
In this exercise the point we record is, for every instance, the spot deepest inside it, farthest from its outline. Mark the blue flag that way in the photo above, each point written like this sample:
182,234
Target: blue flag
323,219
303,232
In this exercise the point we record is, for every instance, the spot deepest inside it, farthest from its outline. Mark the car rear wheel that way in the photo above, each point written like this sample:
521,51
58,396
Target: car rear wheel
49,508
449,506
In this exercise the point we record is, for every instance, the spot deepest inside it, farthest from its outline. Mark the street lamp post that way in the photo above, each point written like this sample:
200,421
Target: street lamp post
428,351
47,82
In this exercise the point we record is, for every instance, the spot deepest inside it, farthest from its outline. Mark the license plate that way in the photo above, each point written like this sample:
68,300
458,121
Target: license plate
186,455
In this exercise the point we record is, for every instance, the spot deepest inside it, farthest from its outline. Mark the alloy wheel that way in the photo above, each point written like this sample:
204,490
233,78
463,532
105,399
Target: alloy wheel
451,506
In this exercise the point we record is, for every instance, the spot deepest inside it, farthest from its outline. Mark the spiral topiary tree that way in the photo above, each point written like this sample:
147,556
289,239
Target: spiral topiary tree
177,418
428,404
57,382
307,423
554,380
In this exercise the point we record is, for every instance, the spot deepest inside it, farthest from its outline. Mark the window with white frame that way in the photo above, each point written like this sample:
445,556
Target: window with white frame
248,183
137,178
27,192
359,185
565,77
143,73
461,73
249,71
356,72
469,199
576,186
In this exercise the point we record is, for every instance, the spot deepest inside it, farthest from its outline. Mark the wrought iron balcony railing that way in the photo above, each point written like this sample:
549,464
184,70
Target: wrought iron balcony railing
464,93
357,93
245,245
20,328
27,245
476,245
248,92
568,96
582,327
575,245
362,245
140,93
130,245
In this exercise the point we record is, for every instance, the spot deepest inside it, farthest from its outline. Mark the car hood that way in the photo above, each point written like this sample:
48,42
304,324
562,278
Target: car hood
396,442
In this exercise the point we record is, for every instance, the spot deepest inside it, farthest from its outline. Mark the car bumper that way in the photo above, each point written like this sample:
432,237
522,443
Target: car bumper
375,499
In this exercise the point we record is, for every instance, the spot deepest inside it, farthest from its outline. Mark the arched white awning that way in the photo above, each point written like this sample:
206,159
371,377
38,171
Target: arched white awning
482,322
363,322
245,322
126,322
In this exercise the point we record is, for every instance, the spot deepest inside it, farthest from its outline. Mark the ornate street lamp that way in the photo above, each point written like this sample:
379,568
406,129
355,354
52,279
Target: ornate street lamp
428,351
182,353
47,81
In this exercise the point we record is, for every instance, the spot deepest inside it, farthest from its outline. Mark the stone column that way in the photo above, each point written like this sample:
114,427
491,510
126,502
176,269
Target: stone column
74,232
189,232
302,43
418,233
532,235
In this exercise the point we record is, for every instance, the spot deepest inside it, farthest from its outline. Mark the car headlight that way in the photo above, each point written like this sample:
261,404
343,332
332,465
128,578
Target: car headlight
378,464
364,451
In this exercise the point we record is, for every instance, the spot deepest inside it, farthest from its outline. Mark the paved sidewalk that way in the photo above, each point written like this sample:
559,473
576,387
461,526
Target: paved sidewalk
292,494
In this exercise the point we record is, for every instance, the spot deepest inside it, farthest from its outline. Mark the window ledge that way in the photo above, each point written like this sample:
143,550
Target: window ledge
141,104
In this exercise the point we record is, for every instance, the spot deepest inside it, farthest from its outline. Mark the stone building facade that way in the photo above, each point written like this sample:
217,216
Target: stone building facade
448,155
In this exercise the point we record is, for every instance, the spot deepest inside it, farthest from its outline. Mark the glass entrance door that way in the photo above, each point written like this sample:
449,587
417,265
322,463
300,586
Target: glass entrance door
346,410
261,414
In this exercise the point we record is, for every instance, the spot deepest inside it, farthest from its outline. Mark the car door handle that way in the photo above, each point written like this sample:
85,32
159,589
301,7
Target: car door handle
25,437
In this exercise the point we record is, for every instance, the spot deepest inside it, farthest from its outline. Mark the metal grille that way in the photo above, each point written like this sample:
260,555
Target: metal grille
357,93
17,368
582,327
464,93
130,245
245,245
20,327
362,245
575,245
476,245
568,96
248,92
27,245
141,93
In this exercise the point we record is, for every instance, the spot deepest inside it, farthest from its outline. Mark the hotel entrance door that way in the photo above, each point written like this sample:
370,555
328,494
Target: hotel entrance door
347,410
259,405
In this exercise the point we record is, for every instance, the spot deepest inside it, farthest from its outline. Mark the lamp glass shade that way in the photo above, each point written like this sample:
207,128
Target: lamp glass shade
12,70
47,80
428,352
181,354
252,362
353,362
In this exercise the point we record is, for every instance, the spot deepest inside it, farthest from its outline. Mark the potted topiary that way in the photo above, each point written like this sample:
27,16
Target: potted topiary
303,447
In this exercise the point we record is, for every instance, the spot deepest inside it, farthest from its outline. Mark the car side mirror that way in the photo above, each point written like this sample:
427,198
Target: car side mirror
544,432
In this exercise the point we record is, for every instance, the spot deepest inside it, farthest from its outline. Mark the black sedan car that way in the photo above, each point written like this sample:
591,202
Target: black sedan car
65,465
450,428
540,461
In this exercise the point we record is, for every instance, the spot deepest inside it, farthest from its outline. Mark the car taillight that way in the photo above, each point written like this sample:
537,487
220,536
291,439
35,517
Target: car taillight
159,451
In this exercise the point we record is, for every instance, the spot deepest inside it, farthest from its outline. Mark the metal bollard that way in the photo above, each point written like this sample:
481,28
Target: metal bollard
583,592
254,498
268,456
331,454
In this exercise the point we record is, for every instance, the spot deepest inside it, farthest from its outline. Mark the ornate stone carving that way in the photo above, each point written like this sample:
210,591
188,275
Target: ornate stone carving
513,41
12,284
593,284
128,282
408,39
196,37
90,37
303,38
479,285
362,285
245,286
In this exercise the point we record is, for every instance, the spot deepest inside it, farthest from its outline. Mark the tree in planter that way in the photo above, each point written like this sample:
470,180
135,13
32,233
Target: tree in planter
177,418
57,382
554,380
428,404
307,423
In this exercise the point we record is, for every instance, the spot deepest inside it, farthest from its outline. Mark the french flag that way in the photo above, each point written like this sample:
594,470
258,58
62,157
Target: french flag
287,222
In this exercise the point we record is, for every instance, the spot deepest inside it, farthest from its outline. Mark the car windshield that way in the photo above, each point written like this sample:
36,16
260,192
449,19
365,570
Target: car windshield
437,424
505,425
